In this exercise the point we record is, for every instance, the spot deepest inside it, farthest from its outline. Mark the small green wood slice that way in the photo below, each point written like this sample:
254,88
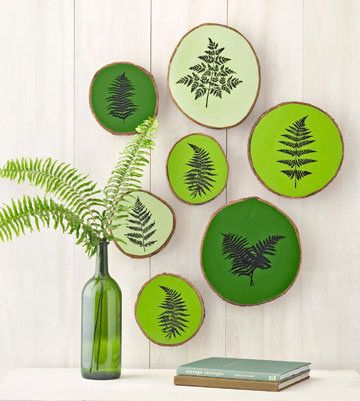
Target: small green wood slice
169,310
197,169
295,149
148,227
122,96
214,76
250,252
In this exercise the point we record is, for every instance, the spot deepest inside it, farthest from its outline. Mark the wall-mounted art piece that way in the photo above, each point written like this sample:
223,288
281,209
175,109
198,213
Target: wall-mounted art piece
295,149
214,76
122,95
197,169
250,252
148,226
169,310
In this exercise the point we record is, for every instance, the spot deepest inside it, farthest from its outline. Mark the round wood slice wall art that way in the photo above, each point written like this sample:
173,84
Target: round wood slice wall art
197,169
122,96
169,310
148,227
295,149
250,252
214,76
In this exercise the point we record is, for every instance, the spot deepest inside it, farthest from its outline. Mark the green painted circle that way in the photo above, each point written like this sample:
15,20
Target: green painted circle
197,156
148,227
122,96
238,238
307,158
214,76
169,310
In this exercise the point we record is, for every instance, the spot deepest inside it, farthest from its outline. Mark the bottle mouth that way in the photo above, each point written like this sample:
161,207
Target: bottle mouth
103,241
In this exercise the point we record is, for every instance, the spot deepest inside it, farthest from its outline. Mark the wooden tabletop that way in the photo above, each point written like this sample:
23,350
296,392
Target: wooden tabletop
157,385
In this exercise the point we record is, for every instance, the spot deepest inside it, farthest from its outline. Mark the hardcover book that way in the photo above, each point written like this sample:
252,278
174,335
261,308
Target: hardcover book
201,381
246,369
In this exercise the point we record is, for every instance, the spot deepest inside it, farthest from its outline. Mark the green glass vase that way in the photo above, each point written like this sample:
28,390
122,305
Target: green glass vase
101,323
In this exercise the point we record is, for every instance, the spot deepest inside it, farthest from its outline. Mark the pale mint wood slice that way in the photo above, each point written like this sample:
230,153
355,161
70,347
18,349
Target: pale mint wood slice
214,76
148,227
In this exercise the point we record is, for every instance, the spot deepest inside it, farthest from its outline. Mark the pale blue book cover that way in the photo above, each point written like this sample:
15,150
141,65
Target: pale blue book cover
246,369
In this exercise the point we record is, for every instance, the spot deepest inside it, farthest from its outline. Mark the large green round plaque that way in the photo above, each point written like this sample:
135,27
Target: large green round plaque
250,252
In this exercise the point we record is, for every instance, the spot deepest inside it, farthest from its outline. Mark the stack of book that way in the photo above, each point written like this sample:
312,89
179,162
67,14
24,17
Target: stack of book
245,374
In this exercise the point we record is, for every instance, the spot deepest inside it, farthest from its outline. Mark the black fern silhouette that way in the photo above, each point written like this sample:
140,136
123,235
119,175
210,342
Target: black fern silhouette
120,104
211,76
245,258
199,178
173,318
141,229
299,137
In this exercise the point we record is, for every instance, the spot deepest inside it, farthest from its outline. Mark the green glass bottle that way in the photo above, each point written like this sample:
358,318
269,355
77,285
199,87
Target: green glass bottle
101,323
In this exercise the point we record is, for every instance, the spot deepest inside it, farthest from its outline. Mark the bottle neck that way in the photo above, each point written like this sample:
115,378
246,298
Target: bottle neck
101,269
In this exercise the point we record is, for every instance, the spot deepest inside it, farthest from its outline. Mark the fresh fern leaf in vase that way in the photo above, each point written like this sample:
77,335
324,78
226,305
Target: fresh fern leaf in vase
74,204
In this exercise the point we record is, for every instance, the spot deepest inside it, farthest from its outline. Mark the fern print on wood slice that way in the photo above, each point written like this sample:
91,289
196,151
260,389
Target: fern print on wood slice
250,252
169,310
295,149
148,226
122,95
214,76
197,169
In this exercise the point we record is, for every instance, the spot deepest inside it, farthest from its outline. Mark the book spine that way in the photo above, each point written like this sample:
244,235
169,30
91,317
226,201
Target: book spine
226,374
225,383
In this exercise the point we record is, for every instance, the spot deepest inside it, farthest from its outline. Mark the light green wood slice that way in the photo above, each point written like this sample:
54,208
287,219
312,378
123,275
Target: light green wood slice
197,169
148,227
122,96
295,149
250,252
169,310
214,76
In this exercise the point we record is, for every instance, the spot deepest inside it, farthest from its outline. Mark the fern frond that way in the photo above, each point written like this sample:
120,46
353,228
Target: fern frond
120,102
139,226
199,179
32,213
173,319
245,259
265,248
75,190
298,137
128,171
236,249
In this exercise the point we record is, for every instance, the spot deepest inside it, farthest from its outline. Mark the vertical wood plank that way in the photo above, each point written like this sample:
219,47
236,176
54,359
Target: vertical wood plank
171,20
36,104
106,32
331,68
275,29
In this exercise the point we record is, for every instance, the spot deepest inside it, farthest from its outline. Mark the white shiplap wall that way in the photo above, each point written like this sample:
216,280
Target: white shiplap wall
308,50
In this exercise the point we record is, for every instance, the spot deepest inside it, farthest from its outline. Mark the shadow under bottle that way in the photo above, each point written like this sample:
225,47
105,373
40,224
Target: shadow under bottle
101,322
